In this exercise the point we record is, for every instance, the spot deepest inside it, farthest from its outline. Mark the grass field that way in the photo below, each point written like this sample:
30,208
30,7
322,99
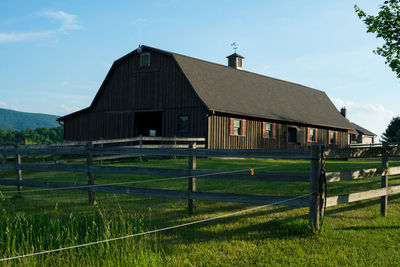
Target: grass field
353,234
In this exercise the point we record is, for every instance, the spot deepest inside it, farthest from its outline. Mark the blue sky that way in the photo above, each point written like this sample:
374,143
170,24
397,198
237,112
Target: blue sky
54,55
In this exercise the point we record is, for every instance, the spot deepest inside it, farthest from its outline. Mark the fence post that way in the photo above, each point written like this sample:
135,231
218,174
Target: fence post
18,171
315,187
55,155
385,178
3,163
174,157
101,154
89,162
140,146
191,180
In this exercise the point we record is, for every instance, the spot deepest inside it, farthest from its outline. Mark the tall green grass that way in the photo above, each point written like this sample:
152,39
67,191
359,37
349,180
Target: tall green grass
353,235
24,233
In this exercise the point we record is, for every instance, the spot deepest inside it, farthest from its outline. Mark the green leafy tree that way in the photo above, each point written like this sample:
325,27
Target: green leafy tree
29,136
392,132
386,25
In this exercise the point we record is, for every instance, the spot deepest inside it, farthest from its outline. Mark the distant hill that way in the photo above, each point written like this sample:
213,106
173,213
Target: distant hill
11,119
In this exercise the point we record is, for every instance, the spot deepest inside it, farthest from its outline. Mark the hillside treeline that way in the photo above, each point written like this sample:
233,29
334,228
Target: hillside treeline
29,136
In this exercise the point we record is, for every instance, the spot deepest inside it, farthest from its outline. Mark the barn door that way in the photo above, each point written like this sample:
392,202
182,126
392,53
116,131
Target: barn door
148,123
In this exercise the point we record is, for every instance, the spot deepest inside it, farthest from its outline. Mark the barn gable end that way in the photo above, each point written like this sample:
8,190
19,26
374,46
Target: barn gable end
156,92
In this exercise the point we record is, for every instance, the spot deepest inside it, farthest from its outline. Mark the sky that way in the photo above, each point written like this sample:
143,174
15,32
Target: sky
54,55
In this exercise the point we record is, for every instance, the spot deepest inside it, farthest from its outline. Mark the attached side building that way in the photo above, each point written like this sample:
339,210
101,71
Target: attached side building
155,92
361,135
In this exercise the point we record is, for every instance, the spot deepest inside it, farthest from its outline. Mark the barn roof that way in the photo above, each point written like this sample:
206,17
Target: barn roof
362,130
224,89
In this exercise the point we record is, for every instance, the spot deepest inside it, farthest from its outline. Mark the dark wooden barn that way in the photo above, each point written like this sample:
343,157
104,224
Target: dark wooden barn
155,92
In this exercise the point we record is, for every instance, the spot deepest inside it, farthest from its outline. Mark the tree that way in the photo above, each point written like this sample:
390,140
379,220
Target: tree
29,136
386,25
392,132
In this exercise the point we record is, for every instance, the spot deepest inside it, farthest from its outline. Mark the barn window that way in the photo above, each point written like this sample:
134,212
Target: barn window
292,135
238,127
145,60
269,130
152,132
239,62
333,137
312,135
183,124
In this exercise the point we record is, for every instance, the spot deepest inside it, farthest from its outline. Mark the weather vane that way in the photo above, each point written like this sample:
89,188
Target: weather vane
235,46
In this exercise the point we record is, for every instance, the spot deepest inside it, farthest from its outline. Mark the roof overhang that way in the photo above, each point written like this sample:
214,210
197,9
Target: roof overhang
279,119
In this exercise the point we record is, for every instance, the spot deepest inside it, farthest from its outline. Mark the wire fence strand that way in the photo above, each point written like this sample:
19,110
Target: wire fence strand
142,181
151,231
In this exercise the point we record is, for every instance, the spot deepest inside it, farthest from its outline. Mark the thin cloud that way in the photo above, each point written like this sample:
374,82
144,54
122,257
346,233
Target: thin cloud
139,21
374,117
68,22
22,36
66,109
12,106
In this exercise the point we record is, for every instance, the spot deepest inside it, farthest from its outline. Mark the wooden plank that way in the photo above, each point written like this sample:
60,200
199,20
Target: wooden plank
337,153
18,172
192,162
3,164
258,176
95,158
178,139
47,167
150,138
113,141
222,197
366,152
351,175
241,153
166,146
315,188
353,197
365,145
47,151
359,152
90,178
239,175
392,190
129,150
384,178
226,175
394,170
65,143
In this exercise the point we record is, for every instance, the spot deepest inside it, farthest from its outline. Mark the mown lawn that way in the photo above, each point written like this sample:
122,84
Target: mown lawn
353,234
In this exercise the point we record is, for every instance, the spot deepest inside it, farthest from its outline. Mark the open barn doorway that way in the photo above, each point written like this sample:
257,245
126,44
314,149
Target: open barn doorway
148,123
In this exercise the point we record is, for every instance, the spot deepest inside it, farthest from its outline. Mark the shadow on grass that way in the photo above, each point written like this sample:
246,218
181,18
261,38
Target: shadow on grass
369,228
358,205
234,228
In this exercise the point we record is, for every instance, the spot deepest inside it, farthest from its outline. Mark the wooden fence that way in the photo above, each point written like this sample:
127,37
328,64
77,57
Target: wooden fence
91,150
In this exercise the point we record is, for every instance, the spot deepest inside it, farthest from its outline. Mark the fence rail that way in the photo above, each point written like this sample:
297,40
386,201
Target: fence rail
97,151
184,152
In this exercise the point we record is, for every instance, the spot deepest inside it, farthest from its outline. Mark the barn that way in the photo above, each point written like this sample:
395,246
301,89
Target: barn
152,92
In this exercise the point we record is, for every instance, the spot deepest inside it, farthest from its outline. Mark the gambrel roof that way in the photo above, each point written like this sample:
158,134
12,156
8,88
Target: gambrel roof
224,89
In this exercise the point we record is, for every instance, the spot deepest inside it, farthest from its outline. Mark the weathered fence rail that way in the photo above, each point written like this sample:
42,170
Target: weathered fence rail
91,152
184,152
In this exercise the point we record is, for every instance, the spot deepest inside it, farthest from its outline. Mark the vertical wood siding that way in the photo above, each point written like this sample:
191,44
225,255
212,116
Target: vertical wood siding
129,88
219,137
